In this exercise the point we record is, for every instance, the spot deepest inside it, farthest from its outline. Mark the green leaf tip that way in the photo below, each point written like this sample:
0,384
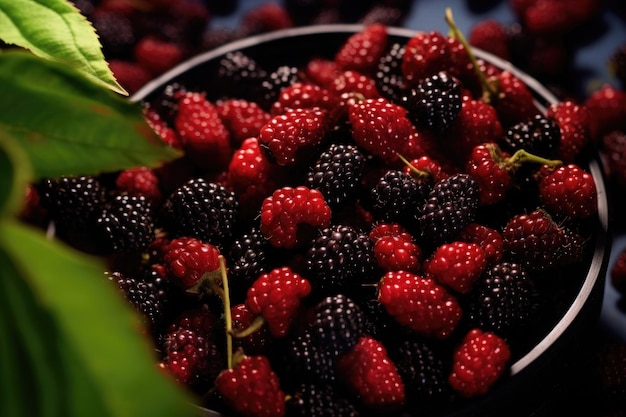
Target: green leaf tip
56,30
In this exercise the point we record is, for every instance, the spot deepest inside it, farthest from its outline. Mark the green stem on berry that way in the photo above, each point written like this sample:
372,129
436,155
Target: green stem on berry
256,324
491,87
228,318
415,173
522,157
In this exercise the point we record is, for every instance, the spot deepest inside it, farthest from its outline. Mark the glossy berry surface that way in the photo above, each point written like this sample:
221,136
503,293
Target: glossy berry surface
370,373
252,388
419,303
276,296
479,361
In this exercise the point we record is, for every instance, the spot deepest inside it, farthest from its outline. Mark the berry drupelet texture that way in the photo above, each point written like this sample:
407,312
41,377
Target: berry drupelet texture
73,203
337,173
126,224
204,210
451,205
434,103
337,324
398,197
341,259
505,300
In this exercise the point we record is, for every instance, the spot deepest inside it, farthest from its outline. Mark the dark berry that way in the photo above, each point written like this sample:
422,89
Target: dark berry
435,102
317,400
451,205
504,300
248,258
271,86
116,33
377,323
148,294
72,202
539,136
126,224
341,258
422,370
167,103
307,362
337,324
337,173
397,197
240,76
204,210
388,75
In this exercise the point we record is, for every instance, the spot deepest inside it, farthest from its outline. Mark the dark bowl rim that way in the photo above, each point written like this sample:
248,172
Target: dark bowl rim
599,259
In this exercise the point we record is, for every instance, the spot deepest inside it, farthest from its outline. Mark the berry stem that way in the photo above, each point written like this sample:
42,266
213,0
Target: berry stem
491,88
258,322
228,318
521,157
418,174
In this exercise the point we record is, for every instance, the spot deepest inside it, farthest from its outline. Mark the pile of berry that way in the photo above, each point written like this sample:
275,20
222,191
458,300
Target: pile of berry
143,39
388,227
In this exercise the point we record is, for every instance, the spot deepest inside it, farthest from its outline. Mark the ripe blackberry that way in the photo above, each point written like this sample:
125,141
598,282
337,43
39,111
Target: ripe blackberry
167,103
337,173
397,198
337,324
317,400
451,205
86,7
280,78
148,294
72,202
539,136
434,103
388,75
116,33
204,210
504,300
248,258
341,258
423,372
307,362
240,76
126,224
376,322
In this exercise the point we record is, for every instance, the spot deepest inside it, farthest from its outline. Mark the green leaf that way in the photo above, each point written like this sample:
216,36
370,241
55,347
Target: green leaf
69,125
15,174
55,29
33,369
78,334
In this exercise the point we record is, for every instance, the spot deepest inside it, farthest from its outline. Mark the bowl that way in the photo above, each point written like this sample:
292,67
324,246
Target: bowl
535,376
